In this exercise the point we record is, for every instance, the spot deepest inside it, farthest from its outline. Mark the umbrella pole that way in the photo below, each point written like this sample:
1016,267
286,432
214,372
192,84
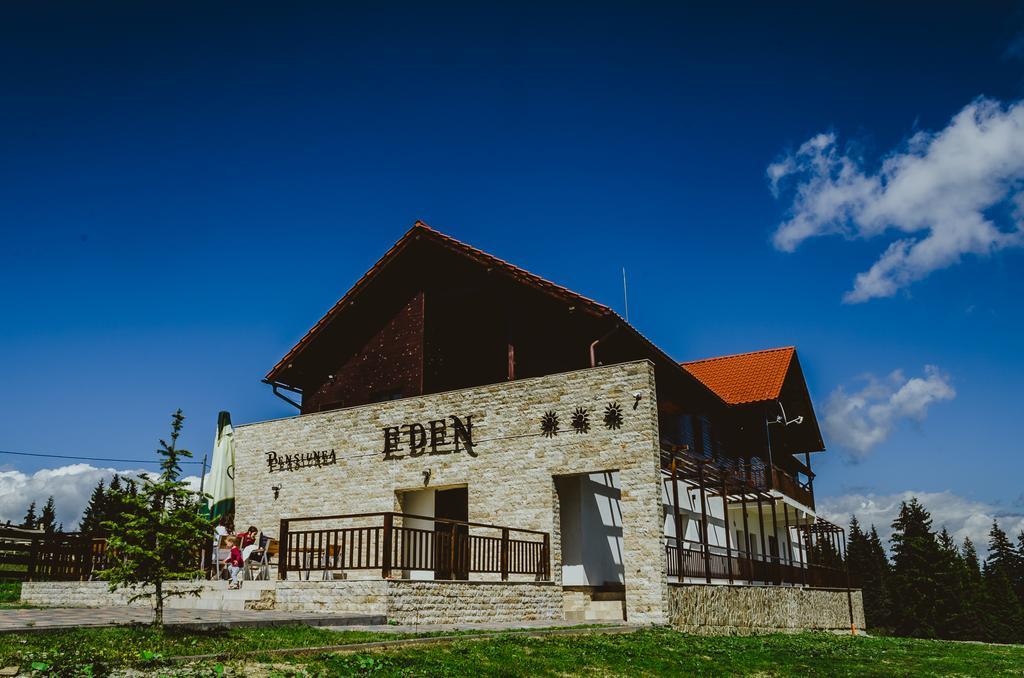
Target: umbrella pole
202,479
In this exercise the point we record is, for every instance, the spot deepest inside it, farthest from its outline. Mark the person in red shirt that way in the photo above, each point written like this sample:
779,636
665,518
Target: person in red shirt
234,562
248,537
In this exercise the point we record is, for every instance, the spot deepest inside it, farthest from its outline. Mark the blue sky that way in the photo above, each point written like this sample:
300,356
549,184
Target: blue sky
185,190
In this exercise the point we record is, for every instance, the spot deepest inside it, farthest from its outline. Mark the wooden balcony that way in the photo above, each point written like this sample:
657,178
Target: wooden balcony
782,482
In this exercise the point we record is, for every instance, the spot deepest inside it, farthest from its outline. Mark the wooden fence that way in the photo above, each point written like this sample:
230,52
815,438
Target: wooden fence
26,555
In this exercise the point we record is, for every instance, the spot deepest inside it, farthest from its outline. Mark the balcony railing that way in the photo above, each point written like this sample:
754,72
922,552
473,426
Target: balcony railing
790,486
739,566
451,549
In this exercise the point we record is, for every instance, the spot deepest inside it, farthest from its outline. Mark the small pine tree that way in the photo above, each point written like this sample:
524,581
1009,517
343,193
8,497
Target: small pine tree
48,518
30,520
160,532
94,511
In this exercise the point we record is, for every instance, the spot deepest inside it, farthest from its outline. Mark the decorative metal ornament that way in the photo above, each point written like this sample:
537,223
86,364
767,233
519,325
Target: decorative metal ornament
613,416
581,420
549,424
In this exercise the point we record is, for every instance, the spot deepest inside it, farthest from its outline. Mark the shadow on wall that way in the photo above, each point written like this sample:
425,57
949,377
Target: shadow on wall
591,529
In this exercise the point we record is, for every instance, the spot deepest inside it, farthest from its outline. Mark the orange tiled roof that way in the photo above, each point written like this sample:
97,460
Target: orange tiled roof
745,377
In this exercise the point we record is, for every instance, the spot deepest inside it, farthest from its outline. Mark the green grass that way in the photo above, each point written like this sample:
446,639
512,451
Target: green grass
10,593
647,652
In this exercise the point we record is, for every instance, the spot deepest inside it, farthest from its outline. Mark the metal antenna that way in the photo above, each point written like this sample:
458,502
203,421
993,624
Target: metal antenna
625,293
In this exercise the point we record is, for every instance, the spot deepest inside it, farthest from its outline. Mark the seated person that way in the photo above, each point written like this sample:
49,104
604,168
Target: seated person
247,537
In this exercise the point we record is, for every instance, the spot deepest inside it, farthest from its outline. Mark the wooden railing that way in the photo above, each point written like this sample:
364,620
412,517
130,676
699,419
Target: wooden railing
790,486
452,549
739,566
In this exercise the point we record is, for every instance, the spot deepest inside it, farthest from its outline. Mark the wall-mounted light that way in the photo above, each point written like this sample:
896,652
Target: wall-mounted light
277,491
637,397
426,477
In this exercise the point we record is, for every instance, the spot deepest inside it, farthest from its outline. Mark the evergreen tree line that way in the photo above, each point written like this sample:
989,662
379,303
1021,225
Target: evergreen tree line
106,504
932,588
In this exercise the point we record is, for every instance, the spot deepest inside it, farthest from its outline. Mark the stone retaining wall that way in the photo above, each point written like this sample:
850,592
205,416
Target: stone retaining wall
402,601
444,602
333,597
745,610
92,594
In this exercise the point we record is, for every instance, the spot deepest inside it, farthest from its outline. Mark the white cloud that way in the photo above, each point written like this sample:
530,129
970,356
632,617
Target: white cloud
961,516
860,420
69,485
950,193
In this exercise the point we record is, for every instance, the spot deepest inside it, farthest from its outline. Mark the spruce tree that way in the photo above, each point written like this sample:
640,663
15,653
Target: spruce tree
974,594
30,520
160,533
914,582
1003,616
881,569
868,563
94,511
952,595
48,518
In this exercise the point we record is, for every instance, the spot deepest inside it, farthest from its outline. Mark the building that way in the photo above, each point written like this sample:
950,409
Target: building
475,442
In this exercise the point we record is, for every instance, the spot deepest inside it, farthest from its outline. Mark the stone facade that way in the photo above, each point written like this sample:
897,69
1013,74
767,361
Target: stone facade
745,610
510,480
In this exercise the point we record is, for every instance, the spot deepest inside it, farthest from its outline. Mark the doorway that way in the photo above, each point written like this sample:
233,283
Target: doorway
451,542
448,547
591,527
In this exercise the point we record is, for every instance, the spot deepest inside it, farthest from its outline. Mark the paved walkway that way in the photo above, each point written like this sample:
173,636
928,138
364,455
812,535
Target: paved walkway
14,621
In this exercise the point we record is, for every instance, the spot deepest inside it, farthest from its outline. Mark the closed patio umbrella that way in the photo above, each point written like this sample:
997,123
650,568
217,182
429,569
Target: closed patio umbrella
222,471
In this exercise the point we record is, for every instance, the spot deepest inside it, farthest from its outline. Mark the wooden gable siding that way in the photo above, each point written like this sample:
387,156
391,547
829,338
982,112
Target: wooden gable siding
388,365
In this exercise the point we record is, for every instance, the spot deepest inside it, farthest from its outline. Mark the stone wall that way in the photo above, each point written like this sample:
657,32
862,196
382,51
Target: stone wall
97,594
441,602
743,610
333,597
510,480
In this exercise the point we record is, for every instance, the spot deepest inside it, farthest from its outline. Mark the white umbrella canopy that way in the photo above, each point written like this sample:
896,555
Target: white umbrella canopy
222,471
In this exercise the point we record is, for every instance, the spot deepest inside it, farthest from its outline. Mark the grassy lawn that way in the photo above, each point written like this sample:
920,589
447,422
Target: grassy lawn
648,652
10,594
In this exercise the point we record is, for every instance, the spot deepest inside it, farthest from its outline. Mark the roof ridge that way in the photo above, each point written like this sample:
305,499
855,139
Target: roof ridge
738,355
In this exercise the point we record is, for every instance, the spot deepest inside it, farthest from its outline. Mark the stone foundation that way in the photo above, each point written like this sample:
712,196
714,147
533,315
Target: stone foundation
445,602
746,610
401,601
348,596
90,594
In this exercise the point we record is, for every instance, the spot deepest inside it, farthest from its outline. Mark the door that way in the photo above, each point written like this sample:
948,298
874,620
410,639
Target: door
451,542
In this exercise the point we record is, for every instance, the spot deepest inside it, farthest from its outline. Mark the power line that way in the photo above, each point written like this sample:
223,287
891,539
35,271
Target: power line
65,456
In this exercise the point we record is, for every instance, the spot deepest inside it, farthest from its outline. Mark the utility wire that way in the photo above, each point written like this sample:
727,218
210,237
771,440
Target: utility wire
65,456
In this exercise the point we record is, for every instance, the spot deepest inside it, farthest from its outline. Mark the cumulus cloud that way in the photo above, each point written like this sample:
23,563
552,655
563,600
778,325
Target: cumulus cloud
69,485
948,193
860,420
961,516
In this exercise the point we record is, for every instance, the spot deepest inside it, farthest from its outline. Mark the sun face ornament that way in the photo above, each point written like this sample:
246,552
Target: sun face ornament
581,420
613,416
549,424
